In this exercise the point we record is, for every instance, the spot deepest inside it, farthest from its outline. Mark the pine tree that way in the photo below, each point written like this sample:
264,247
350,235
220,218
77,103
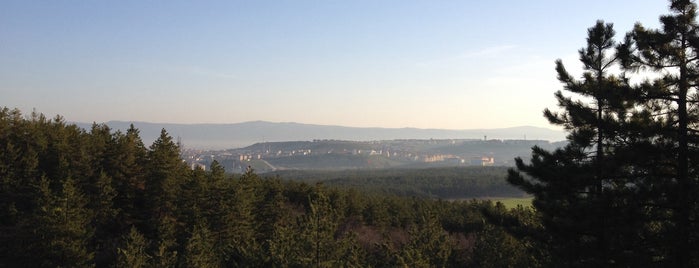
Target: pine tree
165,250
429,245
200,251
134,251
310,241
240,228
192,205
9,161
572,183
320,226
63,224
216,172
126,158
165,174
349,253
670,104
284,246
271,209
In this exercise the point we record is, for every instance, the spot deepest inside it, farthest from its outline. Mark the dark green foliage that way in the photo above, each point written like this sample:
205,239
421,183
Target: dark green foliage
623,193
429,245
583,190
242,247
200,251
125,205
133,252
164,177
63,224
445,183
670,101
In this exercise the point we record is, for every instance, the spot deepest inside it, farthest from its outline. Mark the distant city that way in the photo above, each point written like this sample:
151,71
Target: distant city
268,146
338,155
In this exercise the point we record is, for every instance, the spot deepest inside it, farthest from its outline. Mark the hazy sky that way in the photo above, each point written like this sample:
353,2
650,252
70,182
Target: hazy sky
426,64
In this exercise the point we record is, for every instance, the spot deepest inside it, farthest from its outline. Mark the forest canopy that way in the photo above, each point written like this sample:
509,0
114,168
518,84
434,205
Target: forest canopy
74,197
622,192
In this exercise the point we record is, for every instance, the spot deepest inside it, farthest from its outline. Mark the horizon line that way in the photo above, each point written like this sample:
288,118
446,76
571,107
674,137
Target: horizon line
312,124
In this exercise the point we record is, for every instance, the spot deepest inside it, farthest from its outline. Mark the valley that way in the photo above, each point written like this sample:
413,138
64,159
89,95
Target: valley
358,155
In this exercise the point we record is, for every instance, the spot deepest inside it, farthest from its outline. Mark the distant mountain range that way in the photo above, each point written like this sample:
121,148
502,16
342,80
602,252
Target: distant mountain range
227,136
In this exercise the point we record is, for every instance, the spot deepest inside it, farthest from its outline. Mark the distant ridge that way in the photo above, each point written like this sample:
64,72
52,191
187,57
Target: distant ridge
226,136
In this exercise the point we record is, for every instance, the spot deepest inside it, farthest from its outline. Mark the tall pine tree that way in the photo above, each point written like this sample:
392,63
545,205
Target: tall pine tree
670,102
582,179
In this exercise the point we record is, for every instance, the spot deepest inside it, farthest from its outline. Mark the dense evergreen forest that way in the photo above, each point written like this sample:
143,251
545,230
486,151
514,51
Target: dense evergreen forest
445,182
621,193
76,198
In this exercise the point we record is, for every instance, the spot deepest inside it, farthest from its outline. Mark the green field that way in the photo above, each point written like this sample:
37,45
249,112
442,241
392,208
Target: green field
513,202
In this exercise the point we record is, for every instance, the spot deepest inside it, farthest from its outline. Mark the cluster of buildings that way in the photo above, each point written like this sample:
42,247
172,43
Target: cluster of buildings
401,152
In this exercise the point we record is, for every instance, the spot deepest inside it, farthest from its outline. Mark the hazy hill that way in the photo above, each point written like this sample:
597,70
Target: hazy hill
224,136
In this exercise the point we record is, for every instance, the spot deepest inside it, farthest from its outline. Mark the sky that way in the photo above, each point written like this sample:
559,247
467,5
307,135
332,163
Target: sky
408,63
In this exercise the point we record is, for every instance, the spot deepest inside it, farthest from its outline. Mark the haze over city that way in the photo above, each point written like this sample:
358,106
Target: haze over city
423,64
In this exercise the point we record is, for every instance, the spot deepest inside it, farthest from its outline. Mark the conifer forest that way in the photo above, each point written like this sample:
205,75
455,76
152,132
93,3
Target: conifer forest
622,192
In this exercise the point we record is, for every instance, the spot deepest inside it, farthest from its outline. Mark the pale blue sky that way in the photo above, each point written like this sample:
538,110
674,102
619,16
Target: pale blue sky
425,64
